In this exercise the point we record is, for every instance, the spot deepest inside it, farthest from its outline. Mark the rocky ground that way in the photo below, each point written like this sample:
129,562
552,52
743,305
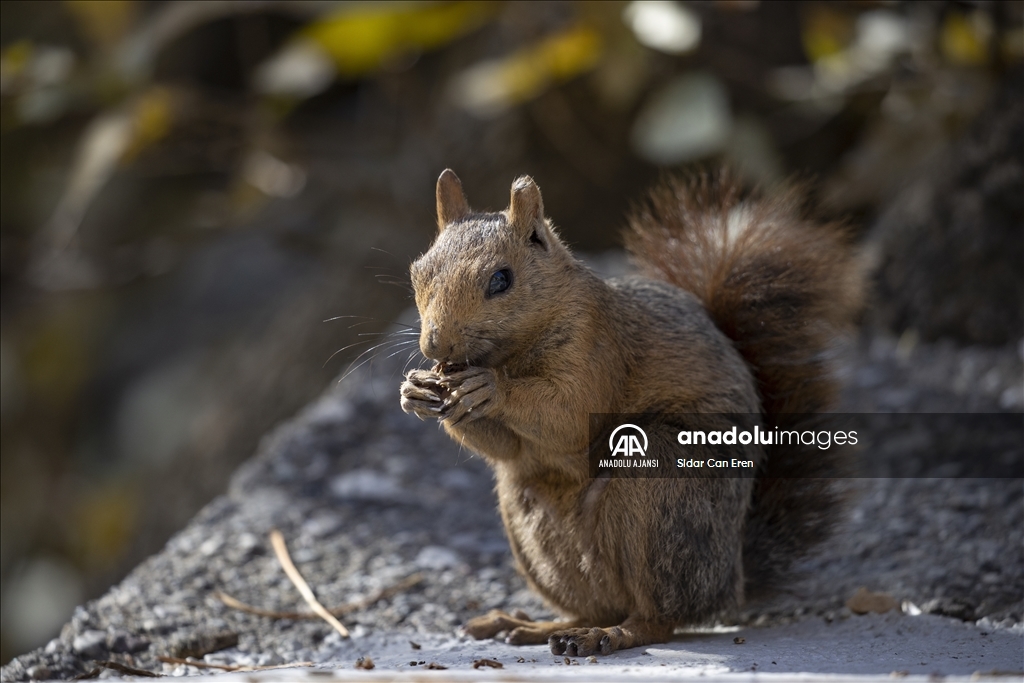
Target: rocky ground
368,498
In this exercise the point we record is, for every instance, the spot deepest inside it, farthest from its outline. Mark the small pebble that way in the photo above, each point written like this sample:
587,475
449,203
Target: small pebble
91,644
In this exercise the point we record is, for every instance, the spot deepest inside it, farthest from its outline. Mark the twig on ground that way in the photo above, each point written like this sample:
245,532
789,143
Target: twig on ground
116,666
281,550
228,667
235,603
341,610
129,670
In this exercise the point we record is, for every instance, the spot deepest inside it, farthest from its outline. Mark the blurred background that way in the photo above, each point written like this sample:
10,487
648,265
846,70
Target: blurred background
191,190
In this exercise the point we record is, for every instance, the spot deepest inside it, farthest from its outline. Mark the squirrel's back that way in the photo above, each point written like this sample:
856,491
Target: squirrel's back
782,288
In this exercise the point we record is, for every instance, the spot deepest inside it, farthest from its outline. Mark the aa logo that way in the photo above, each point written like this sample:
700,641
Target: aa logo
626,441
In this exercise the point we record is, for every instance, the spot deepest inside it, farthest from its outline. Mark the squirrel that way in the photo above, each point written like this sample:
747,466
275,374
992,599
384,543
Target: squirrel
739,303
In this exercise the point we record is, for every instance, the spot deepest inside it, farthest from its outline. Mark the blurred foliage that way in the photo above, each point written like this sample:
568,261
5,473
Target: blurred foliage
826,31
491,87
190,187
362,40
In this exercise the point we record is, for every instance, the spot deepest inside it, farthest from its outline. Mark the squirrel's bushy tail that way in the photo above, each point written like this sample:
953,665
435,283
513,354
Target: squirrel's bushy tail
780,287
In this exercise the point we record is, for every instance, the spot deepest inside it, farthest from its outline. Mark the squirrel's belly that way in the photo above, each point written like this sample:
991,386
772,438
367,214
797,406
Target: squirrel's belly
560,559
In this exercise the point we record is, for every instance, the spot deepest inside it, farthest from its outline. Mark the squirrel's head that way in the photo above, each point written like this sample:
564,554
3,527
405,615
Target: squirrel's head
490,281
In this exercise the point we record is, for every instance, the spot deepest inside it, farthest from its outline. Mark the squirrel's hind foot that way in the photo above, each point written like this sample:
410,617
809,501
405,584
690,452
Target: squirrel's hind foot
520,629
494,622
570,638
583,642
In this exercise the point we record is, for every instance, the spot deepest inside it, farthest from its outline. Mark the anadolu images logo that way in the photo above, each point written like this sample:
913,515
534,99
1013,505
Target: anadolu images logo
628,442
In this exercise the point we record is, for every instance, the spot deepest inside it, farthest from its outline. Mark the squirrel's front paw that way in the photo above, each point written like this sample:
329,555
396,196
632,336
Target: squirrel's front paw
422,394
471,393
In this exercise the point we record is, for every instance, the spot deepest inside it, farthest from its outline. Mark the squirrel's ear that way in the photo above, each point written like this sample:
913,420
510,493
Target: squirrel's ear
451,202
526,210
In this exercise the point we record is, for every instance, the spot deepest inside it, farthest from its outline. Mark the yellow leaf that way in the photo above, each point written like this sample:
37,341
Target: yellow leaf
152,117
492,86
824,31
16,55
570,53
962,40
433,27
104,22
13,61
361,40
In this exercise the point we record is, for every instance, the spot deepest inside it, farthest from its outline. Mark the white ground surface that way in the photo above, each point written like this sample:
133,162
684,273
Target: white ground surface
860,648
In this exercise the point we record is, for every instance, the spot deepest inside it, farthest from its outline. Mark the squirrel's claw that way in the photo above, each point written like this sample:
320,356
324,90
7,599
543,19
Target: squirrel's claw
454,398
420,409
459,412
467,395
418,393
423,378
421,395
582,642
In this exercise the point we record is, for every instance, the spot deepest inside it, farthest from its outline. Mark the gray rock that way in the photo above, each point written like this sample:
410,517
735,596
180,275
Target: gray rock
39,672
957,608
120,642
156,627
91,644
437,557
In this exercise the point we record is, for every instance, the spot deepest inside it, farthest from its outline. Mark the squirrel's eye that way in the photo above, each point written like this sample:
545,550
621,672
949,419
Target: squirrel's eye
500,281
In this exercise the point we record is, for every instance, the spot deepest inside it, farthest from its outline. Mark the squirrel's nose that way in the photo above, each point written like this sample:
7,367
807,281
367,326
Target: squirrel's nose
429,341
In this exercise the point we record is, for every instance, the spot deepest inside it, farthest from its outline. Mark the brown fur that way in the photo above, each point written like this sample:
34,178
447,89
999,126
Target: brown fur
727,326
781,291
